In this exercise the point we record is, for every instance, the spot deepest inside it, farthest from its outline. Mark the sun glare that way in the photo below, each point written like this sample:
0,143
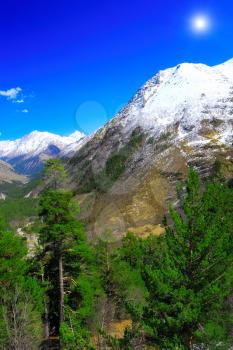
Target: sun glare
200,23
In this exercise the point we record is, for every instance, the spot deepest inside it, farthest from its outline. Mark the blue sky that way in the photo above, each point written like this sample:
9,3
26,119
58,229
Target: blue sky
78,62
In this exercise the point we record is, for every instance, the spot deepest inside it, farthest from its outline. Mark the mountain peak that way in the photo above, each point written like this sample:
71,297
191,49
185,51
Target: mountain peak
181,117
37,134
77,135
186,95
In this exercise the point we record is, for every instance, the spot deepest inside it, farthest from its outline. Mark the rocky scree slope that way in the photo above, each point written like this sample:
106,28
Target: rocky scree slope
8,175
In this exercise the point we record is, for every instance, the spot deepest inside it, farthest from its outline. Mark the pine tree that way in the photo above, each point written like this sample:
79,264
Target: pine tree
192,280
54,174
20,297
57,232
69,264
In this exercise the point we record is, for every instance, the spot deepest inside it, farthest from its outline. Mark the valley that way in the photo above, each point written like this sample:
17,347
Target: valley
116,175
100,269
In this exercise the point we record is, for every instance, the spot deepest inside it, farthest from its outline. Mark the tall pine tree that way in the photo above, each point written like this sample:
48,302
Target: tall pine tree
69,264
192,280
20,296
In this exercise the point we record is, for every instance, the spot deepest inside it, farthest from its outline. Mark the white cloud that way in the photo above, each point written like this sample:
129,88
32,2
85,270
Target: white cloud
25,110
11,94
19,101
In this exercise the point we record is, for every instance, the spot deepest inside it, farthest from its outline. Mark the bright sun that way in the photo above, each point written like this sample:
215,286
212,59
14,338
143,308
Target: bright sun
200,23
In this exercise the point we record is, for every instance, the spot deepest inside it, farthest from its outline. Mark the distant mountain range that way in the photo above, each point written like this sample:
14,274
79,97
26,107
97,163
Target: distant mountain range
26,155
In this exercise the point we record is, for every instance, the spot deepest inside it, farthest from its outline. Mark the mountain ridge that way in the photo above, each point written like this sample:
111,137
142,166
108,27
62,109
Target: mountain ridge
167,89
125,175
163,77
32,142
28,153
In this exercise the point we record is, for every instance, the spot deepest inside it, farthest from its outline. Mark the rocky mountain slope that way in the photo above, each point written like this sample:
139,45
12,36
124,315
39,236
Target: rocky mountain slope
125,175
8,175
27,154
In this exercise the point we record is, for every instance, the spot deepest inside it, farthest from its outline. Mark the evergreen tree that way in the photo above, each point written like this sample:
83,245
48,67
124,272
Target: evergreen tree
20,297
58,230
54,174
191,282
69,263
125,293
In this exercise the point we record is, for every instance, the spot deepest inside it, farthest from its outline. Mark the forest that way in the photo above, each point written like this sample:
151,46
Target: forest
172,291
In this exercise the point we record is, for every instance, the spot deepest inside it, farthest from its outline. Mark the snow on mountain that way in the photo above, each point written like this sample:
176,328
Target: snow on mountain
69,150
37,142
28,154
128,170
192,102
186,94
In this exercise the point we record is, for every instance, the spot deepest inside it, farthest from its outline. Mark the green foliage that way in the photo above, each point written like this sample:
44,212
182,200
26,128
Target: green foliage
192,279
176,288
165,136
20,297
151,140
16,190
85,285
136,139
16,207
54,173
121,281
63,237
84,290
16,210
223,169
59,222
184,277
13,263
119,344
74,336
116,164
114,167
123,275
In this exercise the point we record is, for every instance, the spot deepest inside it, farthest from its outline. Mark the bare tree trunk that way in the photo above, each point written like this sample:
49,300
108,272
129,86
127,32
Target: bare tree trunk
46,321
46,316
189,342
61,287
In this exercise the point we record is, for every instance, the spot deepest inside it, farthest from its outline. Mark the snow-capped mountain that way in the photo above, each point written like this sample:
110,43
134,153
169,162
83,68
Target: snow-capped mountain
187,94
37,142
182,116
27,154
